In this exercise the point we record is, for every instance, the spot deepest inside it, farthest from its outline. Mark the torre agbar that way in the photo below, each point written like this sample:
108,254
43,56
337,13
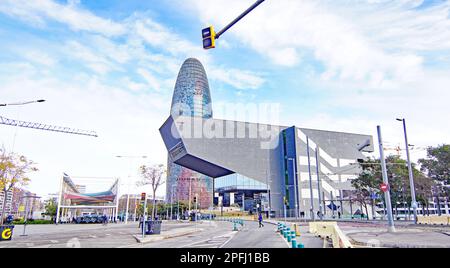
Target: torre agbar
302,172
191,97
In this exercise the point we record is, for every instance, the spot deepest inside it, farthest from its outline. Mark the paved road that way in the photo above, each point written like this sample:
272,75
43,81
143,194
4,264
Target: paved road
253,237
86,236
213,234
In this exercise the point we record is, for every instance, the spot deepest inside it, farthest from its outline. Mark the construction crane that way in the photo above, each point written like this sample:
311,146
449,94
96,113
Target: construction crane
12,122
398,149
210,36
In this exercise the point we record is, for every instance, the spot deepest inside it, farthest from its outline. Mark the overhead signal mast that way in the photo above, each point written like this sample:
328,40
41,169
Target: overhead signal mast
209,36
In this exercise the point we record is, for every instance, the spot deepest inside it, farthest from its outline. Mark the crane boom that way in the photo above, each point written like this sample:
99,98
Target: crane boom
12,122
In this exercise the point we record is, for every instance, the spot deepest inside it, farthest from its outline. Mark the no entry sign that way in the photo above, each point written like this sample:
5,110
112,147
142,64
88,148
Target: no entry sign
384,187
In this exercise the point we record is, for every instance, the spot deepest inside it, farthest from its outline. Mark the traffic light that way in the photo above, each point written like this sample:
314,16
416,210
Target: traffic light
195,199
209,37
143,196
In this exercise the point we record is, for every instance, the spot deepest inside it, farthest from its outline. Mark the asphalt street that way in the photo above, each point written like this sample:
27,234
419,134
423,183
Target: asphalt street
207,234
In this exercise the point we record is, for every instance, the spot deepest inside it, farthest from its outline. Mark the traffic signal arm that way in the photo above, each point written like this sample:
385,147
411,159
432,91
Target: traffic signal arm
259,2
209,35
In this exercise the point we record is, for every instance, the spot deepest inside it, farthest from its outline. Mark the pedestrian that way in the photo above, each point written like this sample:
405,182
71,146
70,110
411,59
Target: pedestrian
339,214
9,219
260,219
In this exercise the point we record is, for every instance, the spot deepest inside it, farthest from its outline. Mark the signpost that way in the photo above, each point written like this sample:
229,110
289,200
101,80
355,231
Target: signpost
384,187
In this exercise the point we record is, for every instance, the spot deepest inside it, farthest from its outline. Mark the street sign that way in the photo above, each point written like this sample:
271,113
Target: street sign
384,187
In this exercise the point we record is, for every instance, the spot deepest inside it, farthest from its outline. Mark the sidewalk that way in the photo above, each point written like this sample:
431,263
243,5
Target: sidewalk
403,238
307,239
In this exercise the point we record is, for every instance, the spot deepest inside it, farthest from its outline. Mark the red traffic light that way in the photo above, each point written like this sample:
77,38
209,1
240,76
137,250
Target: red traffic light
143,196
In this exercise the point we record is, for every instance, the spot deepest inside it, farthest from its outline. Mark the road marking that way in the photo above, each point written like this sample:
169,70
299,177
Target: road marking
54,241
216,241
229,239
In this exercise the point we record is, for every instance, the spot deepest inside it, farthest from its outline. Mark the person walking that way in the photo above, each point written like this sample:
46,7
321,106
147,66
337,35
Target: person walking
260,219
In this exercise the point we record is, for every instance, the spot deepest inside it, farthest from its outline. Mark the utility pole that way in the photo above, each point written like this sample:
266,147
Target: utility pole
387,194
410,171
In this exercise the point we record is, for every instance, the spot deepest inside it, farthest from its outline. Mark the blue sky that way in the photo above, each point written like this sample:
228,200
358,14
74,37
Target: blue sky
111,66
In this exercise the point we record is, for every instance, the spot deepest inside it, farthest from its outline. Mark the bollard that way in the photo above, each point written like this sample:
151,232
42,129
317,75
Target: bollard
300,245
286,232
294,243
289,237
234,227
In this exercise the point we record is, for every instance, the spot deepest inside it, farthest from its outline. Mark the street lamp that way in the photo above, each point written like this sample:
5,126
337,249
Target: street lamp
411,178
21,103
128,194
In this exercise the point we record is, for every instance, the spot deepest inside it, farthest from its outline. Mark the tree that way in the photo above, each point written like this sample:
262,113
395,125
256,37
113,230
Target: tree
51,208
13,173
152,175
370,179
437,165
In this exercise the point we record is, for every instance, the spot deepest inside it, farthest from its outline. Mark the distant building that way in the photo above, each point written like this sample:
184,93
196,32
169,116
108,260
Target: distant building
8,205
22,202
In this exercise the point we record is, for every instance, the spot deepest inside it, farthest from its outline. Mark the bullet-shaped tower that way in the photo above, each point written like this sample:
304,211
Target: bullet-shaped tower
191,97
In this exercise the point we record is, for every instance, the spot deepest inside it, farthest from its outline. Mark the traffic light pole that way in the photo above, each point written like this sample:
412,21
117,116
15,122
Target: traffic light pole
387,193
239,18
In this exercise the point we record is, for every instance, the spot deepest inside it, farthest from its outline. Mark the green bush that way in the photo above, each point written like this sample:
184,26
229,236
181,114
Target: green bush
20,222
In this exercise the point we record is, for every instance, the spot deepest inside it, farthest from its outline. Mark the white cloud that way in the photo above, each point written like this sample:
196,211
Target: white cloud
40,57
239,79
150,78
93,60
73,16
355,41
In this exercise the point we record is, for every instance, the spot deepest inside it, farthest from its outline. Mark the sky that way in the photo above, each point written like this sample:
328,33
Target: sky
111,66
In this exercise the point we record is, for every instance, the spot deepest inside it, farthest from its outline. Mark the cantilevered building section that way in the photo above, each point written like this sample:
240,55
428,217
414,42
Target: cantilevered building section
276,155
191,98
281,158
